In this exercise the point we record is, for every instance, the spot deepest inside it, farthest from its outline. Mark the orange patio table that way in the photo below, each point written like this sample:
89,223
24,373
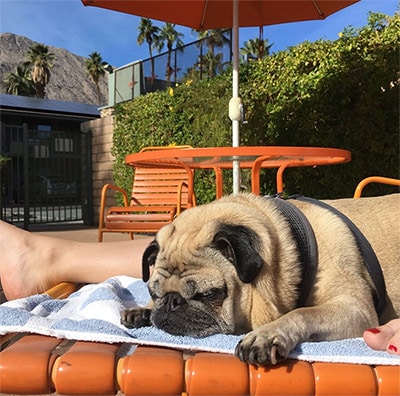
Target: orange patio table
249,157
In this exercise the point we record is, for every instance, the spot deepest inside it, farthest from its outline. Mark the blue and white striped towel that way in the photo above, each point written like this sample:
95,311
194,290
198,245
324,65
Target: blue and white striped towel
93,314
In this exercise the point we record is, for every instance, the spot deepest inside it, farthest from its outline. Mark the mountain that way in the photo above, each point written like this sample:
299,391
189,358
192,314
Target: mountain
68,80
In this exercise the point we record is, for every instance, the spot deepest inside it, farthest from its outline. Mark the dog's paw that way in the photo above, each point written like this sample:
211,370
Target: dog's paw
262,348
136,317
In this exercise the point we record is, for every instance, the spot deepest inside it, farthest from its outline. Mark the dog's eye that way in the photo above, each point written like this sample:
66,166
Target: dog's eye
211,295
153,295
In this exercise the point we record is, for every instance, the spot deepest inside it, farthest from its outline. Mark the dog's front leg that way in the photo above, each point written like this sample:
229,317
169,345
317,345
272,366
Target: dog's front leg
273,342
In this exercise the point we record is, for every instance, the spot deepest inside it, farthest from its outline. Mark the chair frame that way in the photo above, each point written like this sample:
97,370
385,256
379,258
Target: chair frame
374,179
35,364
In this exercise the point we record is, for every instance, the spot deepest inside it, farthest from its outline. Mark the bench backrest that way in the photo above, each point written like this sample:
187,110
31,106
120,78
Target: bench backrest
160,186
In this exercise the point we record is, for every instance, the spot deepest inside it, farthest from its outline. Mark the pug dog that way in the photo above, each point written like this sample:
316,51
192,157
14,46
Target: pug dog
233,266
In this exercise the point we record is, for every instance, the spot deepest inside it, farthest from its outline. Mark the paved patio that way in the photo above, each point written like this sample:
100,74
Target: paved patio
77,232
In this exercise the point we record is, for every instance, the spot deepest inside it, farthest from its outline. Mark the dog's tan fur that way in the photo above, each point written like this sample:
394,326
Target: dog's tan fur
197,263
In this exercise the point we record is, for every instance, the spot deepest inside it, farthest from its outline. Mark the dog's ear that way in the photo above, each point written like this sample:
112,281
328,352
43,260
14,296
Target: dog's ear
239,245
149,258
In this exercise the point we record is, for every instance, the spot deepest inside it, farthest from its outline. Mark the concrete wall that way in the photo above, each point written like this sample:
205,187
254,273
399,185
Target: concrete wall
102,160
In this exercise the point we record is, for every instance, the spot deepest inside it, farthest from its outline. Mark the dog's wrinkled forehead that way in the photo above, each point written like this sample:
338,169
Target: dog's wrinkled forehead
176,244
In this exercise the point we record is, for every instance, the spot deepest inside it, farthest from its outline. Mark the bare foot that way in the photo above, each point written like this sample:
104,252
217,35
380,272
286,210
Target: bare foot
385,337
23,262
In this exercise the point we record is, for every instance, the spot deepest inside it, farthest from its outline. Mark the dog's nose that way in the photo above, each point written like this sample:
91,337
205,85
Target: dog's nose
173,300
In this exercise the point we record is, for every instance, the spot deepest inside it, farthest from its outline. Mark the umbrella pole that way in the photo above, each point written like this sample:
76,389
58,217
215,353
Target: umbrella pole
235,93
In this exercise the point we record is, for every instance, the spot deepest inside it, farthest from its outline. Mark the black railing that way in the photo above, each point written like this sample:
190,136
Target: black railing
195,61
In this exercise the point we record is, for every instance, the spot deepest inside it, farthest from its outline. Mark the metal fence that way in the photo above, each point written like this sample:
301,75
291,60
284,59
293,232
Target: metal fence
46,176
201,59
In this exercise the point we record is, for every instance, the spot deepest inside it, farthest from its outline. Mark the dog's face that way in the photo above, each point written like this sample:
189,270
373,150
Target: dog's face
215,271
204,265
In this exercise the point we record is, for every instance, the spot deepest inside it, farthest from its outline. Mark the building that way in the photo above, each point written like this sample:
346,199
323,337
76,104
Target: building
47,172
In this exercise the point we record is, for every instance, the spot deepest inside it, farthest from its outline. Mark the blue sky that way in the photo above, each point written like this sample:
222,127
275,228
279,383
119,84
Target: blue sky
82,30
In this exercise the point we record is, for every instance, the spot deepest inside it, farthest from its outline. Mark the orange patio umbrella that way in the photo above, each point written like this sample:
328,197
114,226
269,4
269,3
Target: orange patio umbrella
219,14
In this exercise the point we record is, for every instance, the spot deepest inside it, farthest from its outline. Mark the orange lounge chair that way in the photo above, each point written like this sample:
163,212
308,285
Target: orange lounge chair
35,364
41,365
157,196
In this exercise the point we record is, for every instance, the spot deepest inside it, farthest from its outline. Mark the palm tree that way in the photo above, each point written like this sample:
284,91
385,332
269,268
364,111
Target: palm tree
95,69
19,82
256,49
39,62
214,38
149,33
212,63
171,36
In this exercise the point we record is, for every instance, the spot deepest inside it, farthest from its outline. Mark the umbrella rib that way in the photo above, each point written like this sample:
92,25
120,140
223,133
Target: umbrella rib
318,9
203,17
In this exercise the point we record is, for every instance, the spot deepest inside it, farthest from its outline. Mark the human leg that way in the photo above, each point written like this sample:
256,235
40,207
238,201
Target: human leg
31,263
385,337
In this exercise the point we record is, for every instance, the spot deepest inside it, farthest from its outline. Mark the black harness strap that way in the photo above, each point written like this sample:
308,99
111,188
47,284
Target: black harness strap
368,254
304,237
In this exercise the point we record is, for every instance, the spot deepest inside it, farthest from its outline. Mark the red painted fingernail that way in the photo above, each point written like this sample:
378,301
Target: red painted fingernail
374,330
392,348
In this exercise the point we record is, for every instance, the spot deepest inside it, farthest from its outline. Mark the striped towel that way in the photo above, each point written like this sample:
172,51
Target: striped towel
93,314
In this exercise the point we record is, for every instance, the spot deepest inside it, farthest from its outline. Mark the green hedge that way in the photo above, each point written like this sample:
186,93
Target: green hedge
342,93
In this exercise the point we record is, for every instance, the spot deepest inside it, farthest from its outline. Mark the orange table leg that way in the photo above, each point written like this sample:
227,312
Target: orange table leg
151,371
219,183
344,379
291,377
255,176
87,368
279,179
25,365
216,374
